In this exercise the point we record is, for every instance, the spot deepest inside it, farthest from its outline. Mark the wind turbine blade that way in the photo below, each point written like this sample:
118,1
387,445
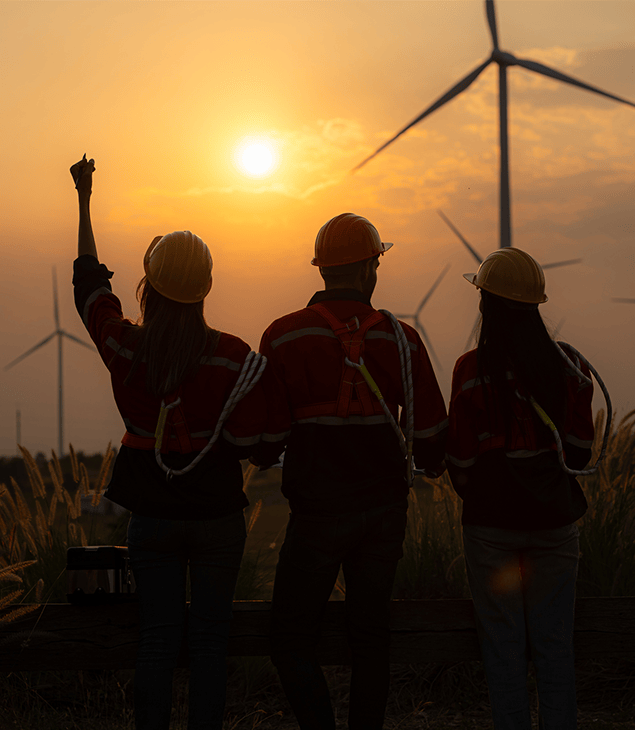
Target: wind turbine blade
623,300
432,289
491,19
56,313
570,262
428,343
76,339
454,91
539,68
479,260
28,352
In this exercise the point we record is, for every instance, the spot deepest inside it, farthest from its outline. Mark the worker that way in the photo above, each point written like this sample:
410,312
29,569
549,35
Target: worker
519,505
344,473
172,376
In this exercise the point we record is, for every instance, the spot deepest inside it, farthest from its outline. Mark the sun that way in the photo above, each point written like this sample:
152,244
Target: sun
256,157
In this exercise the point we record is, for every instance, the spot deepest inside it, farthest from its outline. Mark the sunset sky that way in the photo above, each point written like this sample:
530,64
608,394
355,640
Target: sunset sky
163,95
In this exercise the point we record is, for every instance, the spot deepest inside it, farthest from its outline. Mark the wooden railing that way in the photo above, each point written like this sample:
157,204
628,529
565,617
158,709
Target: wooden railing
64,636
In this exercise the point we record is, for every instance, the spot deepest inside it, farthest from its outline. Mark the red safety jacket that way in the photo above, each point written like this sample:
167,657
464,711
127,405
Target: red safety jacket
342,453
214,487
470,426
515,481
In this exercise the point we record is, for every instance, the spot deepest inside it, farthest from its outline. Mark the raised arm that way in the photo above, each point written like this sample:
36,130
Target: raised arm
82,173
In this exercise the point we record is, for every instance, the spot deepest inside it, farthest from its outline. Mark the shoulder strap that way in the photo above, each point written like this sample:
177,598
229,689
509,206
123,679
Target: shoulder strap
351,336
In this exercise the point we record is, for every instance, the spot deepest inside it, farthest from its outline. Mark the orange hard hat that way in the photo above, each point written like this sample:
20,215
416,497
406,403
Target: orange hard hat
179,266
346,239
512,274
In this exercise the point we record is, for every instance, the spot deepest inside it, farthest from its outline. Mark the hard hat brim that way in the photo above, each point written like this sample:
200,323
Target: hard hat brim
471,279
385,244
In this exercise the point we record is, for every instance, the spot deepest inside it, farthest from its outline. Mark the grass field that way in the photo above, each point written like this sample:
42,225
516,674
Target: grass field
42,516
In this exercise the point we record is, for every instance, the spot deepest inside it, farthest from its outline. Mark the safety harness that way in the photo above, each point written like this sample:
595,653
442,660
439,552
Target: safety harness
354,396
172,432
171,421
351,336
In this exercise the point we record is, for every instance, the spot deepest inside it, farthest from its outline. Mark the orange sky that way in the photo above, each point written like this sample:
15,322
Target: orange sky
161,93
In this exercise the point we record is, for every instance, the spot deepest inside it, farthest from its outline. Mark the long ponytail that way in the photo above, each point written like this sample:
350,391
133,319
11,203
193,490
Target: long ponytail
170,339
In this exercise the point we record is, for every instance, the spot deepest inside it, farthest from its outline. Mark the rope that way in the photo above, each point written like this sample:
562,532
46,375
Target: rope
405,441
249,375
551,425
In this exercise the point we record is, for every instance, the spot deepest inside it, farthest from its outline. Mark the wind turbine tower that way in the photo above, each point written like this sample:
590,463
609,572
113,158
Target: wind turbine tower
504,60
417,322
60,334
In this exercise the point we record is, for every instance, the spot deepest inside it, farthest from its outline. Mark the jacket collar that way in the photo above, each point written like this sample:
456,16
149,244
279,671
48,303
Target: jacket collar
351,295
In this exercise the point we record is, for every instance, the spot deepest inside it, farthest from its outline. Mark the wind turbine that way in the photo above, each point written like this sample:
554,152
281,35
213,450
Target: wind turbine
60,334
503,59
478,258
417,322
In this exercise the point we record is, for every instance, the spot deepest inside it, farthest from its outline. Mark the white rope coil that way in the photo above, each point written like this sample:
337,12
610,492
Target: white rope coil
544,417
249,375
609,409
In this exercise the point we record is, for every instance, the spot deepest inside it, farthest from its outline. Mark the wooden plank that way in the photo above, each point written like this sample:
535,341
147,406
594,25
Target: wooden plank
64,636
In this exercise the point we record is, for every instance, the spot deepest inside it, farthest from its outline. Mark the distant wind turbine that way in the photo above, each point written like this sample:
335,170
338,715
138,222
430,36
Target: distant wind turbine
59,333
417,322
503,59
478,258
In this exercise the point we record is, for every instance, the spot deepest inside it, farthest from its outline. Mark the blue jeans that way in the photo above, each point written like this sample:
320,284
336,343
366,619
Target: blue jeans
368,546
160,552
523,587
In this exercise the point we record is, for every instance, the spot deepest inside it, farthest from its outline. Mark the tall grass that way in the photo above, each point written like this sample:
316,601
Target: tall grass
38,523
607,531
432,565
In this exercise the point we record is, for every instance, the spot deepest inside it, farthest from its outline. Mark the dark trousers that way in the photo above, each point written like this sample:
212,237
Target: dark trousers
368,546
523,588
160,553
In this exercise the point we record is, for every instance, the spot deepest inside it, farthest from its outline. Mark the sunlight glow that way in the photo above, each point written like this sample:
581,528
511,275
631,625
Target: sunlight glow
255,157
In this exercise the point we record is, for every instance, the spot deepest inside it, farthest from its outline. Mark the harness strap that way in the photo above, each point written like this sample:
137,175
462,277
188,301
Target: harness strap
176,419
171,427
351,336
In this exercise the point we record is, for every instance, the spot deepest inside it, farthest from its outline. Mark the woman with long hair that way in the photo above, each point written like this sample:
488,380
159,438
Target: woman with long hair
520,539
178,468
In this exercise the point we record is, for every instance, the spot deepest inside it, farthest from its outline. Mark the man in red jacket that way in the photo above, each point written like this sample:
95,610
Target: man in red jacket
344,473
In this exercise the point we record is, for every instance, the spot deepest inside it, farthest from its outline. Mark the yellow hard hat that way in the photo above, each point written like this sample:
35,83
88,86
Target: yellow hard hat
179,266
346,239
512,274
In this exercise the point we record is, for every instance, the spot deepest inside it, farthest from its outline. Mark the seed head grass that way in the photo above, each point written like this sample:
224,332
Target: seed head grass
40,519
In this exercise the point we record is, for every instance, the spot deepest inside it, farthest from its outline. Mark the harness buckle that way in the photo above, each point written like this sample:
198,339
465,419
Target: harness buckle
348,324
